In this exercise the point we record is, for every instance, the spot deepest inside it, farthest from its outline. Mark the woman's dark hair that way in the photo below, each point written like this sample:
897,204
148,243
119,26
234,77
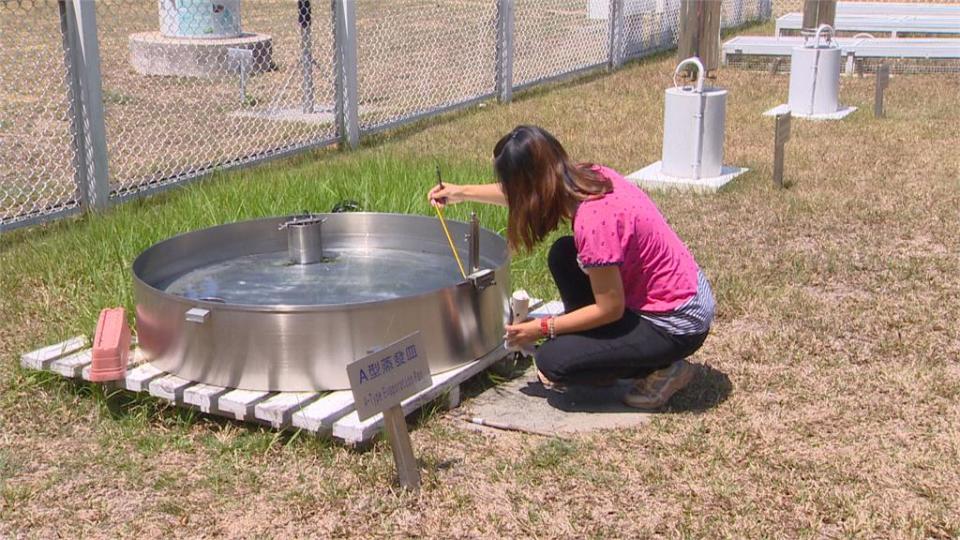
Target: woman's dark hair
542,186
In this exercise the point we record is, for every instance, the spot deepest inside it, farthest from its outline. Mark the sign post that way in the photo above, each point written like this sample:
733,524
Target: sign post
883,79
781,136
380,382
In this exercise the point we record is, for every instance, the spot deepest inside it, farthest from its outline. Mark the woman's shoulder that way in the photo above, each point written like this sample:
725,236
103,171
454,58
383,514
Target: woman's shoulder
602,170
622,187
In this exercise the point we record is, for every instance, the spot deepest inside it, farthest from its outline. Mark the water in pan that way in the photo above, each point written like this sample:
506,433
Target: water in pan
347,276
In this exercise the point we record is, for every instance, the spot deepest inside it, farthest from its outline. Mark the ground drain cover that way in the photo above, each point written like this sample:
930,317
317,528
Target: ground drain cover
524,404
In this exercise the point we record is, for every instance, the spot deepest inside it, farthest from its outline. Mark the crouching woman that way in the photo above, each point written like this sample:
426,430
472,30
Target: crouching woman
636,303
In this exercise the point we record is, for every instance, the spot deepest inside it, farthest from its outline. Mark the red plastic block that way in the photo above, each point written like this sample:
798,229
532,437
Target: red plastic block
111,346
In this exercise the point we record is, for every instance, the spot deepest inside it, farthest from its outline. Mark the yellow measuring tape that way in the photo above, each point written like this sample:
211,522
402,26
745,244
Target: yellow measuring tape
453,248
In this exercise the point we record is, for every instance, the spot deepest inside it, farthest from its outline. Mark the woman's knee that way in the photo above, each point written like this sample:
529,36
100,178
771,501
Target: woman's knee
551,361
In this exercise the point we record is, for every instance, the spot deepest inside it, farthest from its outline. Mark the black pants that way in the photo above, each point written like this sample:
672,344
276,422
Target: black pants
632,347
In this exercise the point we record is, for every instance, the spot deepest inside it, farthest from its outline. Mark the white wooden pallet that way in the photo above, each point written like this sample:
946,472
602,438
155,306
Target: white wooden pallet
330,414
324,414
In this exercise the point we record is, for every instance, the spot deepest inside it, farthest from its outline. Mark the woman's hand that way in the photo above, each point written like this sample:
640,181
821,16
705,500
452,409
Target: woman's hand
525,333
492,193
442,195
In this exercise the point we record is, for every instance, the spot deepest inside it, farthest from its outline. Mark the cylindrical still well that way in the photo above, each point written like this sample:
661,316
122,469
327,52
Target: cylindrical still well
200,19
693,128
815,76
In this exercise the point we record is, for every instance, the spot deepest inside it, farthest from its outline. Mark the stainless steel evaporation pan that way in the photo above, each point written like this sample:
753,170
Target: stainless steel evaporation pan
254,343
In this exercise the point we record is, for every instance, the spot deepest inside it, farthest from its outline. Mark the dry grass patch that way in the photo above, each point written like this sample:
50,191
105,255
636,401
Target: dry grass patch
836,329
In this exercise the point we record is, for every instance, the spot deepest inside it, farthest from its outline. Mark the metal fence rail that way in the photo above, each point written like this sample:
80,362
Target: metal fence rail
104,100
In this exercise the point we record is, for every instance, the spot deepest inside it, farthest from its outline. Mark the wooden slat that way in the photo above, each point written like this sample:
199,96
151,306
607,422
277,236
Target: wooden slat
205,397
72,365
41,358
169,387
332,413
240,403
278,410
139,377
319,416
353,431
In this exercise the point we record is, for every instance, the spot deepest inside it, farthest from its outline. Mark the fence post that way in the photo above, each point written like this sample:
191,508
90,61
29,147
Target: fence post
765,9
616,33
76,105
345,57
78,24
305,20
504,66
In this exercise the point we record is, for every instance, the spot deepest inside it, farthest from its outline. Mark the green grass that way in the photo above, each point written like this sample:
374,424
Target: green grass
83,264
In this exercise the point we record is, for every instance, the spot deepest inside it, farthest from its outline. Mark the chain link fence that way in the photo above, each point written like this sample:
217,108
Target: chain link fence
38,162
555,37
179,103
421,57
103,100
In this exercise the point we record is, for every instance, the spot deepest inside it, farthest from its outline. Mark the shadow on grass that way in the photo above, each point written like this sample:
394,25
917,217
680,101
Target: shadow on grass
708,389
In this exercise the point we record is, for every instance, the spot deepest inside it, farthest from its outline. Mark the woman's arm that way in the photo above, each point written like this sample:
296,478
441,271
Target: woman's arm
607,288
607,291
453,193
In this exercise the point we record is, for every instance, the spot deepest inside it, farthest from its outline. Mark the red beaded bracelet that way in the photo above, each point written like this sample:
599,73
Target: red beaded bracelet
544,328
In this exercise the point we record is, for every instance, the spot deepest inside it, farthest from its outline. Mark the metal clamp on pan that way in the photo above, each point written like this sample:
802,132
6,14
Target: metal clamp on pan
481,279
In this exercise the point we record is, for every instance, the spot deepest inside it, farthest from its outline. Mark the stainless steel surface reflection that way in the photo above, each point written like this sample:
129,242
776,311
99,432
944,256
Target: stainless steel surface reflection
226,306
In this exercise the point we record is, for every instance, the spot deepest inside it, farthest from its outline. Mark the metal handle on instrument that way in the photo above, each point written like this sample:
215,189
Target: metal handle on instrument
302,220
816,35
693,60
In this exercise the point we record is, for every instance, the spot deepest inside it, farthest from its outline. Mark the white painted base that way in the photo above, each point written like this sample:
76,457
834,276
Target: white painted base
327,414
651,177
152,53
840,113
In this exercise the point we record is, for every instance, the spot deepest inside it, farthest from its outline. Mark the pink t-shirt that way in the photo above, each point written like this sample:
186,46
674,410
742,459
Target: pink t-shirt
624,228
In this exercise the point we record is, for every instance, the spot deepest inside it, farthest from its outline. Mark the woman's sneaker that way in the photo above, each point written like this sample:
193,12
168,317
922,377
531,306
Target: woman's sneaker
656,389
547,383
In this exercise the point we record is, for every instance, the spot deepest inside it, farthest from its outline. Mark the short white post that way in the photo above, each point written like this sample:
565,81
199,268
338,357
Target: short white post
395,424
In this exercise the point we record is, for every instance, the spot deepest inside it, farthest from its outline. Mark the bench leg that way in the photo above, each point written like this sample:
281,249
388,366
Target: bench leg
453,397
